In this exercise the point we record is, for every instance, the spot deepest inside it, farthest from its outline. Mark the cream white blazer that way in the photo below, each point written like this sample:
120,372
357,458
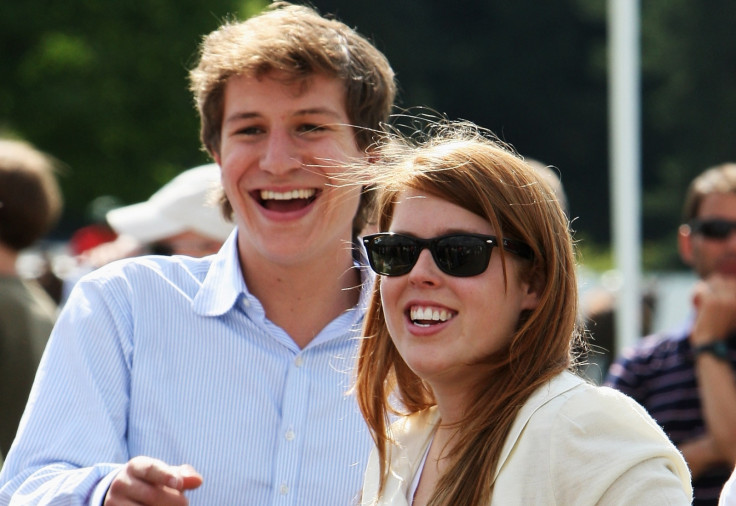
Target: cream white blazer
572,443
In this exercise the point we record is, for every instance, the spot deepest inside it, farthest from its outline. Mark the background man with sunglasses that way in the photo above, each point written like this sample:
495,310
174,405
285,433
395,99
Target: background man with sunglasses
685,377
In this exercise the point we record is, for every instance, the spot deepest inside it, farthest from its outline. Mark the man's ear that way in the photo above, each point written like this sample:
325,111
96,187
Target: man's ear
685,244
372,154
216,156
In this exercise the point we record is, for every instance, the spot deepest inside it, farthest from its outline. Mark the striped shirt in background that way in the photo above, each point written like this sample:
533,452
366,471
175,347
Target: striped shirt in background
659,373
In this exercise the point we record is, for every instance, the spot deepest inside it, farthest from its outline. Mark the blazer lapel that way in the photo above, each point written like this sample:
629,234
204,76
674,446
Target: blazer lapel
413,435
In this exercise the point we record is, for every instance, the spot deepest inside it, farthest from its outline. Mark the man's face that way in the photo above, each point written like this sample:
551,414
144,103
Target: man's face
710,255
283,146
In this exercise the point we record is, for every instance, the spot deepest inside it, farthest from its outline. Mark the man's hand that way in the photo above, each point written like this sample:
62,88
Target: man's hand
148,481
715,303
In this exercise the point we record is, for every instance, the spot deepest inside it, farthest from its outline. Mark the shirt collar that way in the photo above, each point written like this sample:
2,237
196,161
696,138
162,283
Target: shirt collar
225,284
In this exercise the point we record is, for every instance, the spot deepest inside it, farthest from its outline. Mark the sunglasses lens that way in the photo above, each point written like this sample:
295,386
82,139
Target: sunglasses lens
715,229
462,255
392,255
457,255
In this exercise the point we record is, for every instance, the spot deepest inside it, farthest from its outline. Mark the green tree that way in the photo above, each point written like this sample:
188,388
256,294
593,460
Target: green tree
536,73
529,71
103,87
689,95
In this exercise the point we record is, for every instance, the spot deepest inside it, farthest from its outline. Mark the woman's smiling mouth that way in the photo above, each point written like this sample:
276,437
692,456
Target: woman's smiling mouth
424,316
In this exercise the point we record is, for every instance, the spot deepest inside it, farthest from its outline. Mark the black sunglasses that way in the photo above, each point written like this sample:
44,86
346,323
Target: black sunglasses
460,255
713,228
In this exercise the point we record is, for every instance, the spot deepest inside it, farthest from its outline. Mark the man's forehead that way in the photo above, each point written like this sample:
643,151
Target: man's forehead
718,204
317,89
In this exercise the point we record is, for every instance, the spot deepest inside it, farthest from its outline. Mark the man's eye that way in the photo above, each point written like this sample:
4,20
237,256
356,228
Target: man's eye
309,127
250,130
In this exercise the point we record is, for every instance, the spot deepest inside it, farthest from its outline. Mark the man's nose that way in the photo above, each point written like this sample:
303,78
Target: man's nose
281,153
731,239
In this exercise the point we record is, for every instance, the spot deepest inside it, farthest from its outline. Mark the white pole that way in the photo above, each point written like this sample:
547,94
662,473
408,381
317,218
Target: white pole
624,113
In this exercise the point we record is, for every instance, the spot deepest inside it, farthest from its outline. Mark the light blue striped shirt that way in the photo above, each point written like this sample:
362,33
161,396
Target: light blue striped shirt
173,358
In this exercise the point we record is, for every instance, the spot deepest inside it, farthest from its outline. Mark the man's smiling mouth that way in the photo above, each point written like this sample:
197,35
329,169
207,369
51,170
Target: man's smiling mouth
286,201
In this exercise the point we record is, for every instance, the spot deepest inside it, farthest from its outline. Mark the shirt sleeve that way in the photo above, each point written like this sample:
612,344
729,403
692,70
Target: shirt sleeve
625,375
71,440
650,482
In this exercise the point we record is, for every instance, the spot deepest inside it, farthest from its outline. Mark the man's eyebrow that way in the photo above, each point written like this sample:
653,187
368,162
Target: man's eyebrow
238,116
241,116
318,110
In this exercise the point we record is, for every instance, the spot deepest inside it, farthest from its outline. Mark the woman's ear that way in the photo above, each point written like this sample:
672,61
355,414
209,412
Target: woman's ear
533,286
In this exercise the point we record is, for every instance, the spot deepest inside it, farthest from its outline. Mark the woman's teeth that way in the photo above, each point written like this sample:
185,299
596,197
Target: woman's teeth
425,316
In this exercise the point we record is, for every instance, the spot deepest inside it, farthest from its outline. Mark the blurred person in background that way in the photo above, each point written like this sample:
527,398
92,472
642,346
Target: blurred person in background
685,377
551,176
598,310
54,261
30,205
181,218
96,232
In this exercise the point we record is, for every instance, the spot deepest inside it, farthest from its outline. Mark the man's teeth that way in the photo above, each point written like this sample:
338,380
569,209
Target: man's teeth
288,195
429,314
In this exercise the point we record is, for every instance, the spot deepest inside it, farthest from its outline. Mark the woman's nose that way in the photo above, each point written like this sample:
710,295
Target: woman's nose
425,270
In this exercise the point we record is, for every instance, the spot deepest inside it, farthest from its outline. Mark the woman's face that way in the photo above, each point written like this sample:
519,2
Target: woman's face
473,317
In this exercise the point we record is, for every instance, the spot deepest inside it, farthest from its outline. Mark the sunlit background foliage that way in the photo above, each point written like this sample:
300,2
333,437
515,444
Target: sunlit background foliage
102,86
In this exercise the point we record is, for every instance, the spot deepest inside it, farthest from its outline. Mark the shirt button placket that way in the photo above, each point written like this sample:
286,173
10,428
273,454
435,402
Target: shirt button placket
295,402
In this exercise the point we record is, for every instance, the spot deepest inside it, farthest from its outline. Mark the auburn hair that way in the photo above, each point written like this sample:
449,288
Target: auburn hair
466,166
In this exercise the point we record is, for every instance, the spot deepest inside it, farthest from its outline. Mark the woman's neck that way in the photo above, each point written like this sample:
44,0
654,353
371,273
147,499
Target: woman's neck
435,465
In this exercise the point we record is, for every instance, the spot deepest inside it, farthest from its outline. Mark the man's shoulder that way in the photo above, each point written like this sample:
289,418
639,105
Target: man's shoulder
12,287
25,294
659,345
151,266
655,356
135,278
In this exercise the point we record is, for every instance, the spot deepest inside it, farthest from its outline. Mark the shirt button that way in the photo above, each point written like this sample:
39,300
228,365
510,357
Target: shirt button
284,489
290,435
299,361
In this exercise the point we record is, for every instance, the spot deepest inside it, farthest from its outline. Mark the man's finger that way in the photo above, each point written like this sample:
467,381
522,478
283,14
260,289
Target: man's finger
155,472
191,479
